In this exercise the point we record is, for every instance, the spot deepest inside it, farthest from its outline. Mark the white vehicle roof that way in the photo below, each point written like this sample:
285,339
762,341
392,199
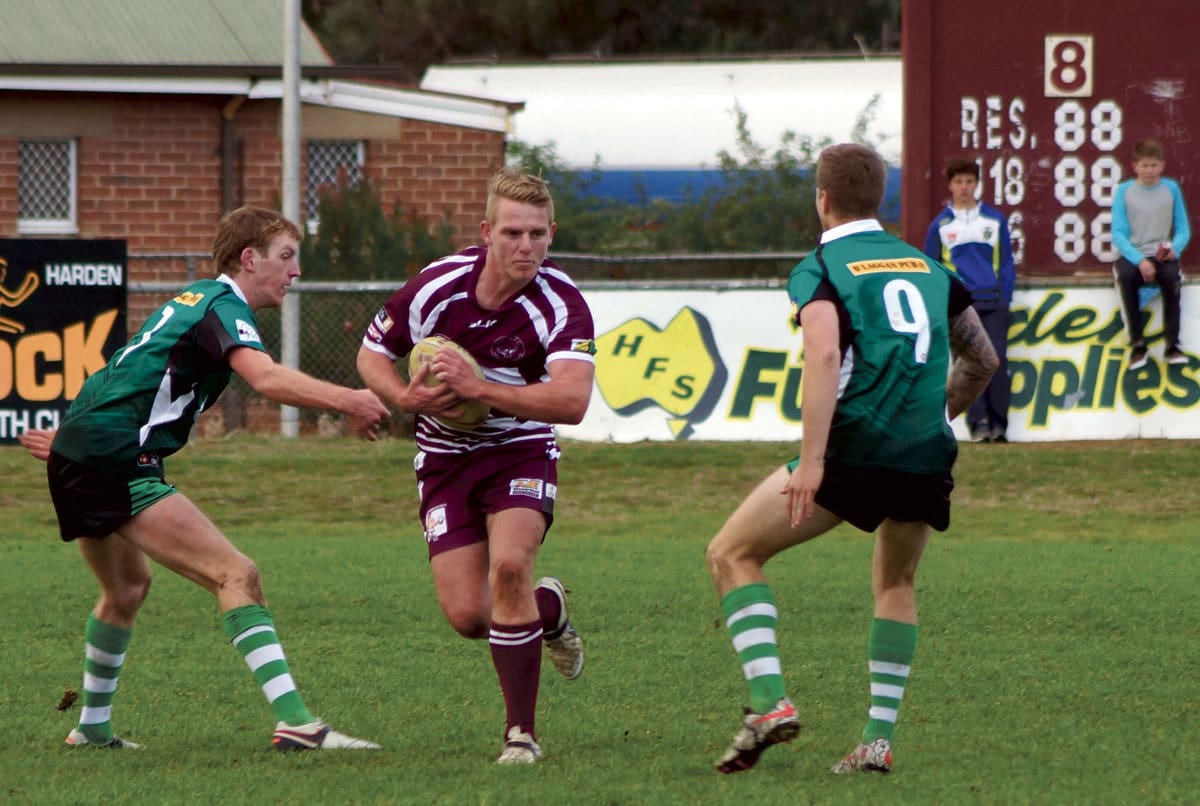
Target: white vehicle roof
675,115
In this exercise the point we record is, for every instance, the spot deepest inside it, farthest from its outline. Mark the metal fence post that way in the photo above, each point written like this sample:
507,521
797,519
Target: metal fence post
289,416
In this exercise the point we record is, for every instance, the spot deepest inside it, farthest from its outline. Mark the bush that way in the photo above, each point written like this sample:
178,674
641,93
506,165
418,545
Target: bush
357,240
762,203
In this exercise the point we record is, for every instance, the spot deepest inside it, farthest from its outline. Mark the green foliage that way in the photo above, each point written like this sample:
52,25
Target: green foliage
587,223
413,34
356,239
1057,628
763,203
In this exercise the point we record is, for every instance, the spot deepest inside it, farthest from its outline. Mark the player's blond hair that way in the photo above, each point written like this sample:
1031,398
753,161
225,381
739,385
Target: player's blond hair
515,185
255,227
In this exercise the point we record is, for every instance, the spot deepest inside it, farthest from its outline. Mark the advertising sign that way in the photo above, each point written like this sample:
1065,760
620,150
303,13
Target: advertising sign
62,314
727,365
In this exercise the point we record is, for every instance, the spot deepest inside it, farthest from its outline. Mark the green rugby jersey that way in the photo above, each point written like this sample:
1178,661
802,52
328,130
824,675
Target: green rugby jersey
894,306
148,396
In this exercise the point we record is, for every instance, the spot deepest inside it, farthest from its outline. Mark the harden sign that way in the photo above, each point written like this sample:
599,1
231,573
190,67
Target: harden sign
62,314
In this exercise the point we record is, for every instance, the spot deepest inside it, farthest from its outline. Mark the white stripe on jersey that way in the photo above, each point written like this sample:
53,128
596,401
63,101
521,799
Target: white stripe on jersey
419,326
535,318
570,355
436,438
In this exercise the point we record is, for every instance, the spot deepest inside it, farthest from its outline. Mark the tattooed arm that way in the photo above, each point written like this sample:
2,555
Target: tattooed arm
975,362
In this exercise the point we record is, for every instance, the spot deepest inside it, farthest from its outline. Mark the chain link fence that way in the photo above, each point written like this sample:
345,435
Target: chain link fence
333,316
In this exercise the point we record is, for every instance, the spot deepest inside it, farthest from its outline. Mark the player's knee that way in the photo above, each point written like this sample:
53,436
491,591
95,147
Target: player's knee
510,577
127,601
720,558
243,576
468,623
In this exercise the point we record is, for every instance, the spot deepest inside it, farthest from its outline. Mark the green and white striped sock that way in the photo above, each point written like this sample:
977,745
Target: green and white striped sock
105,655
750,615
890,651
252,631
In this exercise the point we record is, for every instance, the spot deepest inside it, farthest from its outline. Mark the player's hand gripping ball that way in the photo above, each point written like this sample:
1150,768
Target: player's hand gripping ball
473,411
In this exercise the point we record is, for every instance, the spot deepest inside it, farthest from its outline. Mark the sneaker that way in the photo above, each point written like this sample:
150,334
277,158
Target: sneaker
998,436
873,757
519,748
1137,357
760,731
316,735
566,648
76,739
981,434
1176,356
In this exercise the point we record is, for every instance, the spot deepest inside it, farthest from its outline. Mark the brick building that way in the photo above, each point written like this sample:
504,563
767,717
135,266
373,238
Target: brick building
147,119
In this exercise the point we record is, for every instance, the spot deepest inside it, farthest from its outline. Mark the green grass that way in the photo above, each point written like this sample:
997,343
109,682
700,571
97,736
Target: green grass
1056,661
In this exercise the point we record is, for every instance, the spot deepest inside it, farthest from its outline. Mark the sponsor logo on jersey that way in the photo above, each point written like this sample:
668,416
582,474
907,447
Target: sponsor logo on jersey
551,491
481,323
246,331
383,321
583,346
509,349
188,298
527,487
435,523
147,460
899,264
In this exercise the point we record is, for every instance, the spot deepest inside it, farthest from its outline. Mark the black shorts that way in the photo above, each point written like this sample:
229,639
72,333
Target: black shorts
864,496
95,502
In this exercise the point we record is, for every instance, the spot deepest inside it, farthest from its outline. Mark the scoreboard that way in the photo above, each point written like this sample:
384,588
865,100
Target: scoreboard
1048,97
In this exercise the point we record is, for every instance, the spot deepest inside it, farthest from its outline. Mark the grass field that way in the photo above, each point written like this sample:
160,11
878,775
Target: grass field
1056,661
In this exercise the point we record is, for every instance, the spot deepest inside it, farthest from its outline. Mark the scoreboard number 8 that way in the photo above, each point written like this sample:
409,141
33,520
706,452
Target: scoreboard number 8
1068,66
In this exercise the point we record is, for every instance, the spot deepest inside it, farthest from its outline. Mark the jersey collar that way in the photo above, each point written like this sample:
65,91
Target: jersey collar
851,228
227,280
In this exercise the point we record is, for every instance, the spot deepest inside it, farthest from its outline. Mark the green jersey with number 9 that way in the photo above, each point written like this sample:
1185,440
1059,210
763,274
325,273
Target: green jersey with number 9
146,399
894,306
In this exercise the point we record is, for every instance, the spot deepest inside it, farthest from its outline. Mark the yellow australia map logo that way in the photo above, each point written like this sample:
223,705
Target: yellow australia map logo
676,368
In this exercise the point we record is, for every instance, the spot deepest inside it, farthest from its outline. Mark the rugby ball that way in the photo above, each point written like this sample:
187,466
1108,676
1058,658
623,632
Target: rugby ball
473,412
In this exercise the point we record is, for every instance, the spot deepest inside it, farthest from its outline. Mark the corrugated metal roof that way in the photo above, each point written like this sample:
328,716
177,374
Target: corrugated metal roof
148,32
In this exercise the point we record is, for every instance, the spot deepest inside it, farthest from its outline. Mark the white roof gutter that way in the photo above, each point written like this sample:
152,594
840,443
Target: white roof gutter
431,107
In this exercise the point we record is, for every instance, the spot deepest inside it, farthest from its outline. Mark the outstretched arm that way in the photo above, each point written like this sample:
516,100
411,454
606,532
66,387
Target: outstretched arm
294,388
974,364
37,442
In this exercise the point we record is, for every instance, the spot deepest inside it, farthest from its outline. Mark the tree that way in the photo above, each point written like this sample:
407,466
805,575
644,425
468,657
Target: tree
413,34
357,239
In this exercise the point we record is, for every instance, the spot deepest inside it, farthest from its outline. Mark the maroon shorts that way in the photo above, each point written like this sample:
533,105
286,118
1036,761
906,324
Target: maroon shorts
458,491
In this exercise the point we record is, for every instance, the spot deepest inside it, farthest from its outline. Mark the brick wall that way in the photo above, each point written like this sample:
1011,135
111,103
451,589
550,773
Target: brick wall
436,170
149,171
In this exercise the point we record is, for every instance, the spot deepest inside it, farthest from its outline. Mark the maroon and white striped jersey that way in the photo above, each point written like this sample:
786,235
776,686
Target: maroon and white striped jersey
547,321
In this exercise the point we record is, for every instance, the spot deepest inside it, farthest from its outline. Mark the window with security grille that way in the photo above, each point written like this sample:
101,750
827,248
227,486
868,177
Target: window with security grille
46,186
330,164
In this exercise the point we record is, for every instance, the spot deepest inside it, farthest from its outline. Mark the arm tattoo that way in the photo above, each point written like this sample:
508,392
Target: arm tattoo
975,362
